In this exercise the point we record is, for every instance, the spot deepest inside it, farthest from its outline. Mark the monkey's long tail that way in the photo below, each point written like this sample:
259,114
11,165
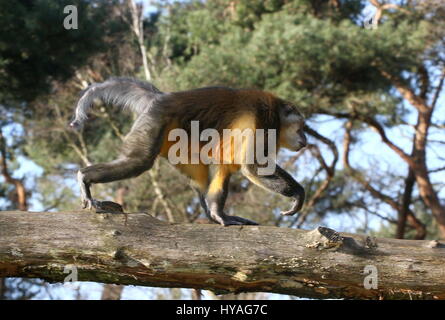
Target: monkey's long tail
126,93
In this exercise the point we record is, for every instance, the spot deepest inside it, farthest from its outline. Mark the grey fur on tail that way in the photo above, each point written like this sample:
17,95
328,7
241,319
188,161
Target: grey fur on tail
126,93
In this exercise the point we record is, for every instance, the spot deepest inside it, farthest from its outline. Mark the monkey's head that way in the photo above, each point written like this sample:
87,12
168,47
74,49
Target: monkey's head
292,134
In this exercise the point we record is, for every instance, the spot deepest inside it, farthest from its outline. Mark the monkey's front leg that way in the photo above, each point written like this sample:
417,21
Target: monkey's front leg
296,191
296,207
216,197
281,182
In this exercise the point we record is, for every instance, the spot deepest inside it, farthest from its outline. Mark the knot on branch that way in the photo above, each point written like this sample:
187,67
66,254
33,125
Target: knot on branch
121,256
435,244
324,238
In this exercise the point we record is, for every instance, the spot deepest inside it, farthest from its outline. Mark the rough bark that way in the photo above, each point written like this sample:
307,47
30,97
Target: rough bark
145,251
112,291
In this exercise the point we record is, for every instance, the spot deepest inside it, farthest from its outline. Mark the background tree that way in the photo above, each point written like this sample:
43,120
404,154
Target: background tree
372,98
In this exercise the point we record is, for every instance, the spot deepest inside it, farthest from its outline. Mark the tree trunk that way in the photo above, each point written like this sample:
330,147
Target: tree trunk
406,202
112,292
426,189
2,288
319,264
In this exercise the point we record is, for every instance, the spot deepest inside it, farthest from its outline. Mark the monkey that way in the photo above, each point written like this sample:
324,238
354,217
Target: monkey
218,108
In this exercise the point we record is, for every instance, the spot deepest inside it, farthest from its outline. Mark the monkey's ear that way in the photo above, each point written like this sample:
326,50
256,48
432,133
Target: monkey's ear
289,113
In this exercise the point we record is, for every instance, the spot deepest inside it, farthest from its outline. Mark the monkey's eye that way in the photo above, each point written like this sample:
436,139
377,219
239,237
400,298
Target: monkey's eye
287,112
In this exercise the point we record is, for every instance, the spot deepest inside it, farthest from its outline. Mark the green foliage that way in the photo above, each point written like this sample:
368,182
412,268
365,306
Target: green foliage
316,62
36,49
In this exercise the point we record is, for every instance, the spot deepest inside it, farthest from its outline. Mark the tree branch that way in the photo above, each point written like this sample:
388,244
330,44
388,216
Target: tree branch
330,171
320,263
410,180
385,6
402,209
438,90
406,92
137,28
377,127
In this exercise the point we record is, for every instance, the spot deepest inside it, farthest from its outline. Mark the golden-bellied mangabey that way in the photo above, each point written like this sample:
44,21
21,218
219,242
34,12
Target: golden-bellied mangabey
217,108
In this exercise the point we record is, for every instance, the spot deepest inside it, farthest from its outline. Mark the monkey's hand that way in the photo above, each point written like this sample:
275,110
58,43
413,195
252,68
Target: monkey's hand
298,204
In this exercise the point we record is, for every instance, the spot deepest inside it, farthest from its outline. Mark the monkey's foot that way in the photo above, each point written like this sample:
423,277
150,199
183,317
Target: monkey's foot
233,221
102,206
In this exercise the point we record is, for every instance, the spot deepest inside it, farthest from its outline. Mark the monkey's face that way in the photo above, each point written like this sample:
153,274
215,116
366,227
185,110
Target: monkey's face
292,134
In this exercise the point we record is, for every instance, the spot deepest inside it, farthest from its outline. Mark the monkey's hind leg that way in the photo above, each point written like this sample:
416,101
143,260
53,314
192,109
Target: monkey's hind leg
140,149
217,196
107,172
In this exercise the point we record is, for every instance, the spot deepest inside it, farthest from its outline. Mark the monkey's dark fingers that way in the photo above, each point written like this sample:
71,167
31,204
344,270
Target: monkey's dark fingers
295,208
